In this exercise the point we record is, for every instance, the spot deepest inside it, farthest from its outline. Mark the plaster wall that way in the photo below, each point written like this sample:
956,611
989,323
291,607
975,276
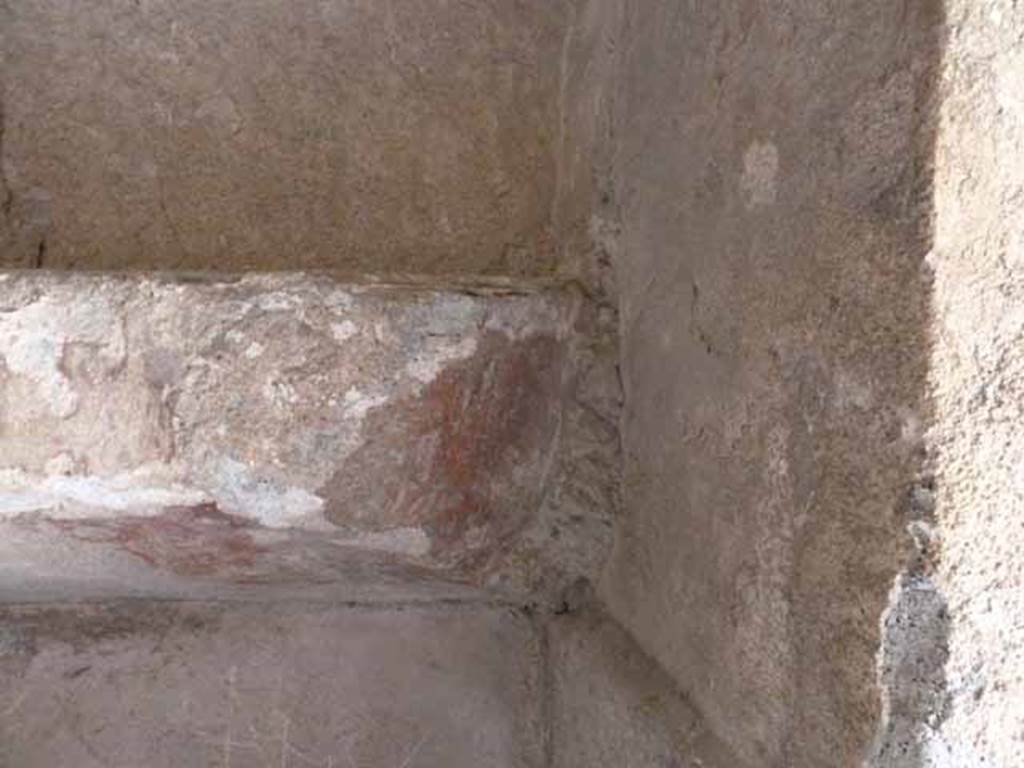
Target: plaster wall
352,134
771,188
801,215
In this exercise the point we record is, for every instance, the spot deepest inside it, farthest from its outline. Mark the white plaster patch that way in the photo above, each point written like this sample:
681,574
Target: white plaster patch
280,393
61,464
448,315
144,491
254,350
760,172
150,489
276,301
938,753
426,366
412,542
339,301
344,331
33,341
359,403
239,491
1009,82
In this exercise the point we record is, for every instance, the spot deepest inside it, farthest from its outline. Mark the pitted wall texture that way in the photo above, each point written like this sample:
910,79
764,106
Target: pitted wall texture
978,379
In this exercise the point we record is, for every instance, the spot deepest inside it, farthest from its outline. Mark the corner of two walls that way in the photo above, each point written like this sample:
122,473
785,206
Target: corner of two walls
815,341
770,199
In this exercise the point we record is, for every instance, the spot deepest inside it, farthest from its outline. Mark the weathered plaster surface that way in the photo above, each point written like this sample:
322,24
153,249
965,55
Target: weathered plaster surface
978,380
124,685
377,136
422,422
819,540
771,191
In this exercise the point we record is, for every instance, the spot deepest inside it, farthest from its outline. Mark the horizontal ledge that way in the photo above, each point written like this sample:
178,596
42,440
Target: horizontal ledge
182,557
482,284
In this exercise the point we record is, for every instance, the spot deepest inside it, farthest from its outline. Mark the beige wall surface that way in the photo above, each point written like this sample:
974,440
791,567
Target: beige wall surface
372,136
978,379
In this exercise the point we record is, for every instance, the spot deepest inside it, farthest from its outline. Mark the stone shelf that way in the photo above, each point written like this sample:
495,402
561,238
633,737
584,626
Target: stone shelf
288,432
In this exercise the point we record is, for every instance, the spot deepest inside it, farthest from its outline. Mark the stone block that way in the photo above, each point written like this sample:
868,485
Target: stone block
185,422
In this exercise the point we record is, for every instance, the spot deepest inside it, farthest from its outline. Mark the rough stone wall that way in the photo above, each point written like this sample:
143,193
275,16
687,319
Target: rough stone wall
978,379
771,179
375,136
417,420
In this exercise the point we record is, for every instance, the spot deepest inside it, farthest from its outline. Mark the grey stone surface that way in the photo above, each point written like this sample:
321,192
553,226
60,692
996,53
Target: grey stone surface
408,420
613,707
125,685
912,674
378,136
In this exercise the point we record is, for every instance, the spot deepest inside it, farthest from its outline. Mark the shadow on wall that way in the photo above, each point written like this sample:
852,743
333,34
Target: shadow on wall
915,627
914,644
773,168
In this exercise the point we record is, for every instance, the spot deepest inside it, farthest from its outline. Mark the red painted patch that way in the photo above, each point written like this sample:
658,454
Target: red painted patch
464,460
188,541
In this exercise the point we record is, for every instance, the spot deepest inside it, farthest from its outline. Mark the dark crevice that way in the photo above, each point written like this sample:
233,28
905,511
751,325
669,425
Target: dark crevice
6,196
39,262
